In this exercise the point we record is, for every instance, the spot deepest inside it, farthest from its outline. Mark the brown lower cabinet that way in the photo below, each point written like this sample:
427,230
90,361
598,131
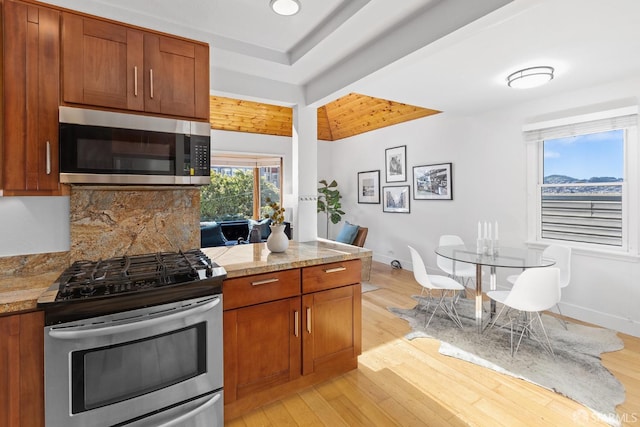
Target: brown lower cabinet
281,336
22,370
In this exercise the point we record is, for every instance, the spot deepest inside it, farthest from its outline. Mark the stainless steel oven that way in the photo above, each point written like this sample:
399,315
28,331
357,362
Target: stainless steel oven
136,366
151,355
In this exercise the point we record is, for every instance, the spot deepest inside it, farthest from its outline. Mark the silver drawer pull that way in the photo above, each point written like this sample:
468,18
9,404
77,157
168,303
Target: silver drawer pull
309,320
296,321
151,83
48,155
135,81
335,270
264,282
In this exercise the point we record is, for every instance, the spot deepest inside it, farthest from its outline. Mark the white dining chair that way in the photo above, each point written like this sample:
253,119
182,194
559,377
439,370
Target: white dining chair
534,291
457,270
447,288
562,256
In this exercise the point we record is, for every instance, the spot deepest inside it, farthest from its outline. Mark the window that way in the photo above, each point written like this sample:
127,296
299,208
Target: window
239,187
581,190
585,191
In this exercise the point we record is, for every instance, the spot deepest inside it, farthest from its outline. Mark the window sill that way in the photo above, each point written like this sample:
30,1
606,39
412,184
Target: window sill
587,251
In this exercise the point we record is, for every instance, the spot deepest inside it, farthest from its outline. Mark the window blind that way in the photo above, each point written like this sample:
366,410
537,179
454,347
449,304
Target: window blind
581,125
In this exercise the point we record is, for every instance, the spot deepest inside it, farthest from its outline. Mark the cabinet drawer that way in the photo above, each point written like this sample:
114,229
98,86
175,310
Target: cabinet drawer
327,276
249,290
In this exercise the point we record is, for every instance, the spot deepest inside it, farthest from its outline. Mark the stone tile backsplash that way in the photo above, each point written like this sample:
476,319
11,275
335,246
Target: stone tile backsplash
107,222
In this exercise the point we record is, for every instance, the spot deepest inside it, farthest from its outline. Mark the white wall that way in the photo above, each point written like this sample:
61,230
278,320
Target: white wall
33,225
489,183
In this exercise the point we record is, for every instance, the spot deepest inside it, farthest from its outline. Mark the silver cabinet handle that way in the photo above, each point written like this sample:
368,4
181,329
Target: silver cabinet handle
296,322
135,81
132,325
309,319
335,270
192,413
264,282
48,166
151,82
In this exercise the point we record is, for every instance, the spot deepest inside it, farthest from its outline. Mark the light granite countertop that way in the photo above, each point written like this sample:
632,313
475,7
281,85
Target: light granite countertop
23,293
244,260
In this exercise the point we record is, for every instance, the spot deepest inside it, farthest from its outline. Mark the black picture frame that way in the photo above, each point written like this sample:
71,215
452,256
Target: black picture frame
396,199
369,187
433,182
395,160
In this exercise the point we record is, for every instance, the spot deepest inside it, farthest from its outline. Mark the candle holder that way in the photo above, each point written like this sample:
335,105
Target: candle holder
479,246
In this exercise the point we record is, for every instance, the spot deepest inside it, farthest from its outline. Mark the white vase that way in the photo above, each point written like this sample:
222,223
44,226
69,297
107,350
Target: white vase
277,240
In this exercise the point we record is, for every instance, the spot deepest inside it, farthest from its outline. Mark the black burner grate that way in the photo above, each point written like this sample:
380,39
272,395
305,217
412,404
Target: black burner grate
86,279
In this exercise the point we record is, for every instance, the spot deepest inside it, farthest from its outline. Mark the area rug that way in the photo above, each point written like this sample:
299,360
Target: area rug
368,287
576,371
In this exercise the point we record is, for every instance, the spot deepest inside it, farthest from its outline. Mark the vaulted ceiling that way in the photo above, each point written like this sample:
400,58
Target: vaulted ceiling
350,115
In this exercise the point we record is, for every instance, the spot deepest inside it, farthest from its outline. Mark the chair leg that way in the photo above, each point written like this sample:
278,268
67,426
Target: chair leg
561,319
448,309
493,322
527,327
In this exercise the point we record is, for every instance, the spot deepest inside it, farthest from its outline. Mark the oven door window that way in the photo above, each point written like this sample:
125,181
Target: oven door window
111,374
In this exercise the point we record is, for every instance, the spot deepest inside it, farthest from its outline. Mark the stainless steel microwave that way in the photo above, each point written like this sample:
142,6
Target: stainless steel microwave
103,147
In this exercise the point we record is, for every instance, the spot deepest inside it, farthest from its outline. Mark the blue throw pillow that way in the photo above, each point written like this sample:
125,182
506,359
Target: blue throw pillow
262,225
211,235
348,233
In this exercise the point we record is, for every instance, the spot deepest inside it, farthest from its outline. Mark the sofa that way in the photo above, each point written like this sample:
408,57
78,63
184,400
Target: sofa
230,233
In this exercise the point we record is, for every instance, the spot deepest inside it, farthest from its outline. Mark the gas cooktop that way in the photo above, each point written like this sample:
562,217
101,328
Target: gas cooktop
92,288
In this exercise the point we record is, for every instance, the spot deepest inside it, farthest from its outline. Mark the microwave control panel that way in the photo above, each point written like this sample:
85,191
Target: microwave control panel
200,156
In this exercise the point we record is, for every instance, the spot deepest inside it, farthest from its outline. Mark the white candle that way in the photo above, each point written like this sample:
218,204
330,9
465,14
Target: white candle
496,230
485,229
479,231
490,238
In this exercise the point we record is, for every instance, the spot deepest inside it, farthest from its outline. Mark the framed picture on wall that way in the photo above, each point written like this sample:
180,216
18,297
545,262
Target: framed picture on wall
396,199
396,163
433,182
369,187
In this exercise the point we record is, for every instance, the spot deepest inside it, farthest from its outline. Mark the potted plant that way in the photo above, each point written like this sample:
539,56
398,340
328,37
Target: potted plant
277,240
329,202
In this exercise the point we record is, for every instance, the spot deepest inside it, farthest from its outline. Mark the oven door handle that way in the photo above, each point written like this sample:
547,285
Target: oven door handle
132,325
192,413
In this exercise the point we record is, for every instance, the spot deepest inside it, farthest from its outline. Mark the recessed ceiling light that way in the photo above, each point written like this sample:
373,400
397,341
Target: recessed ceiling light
285,7
530,77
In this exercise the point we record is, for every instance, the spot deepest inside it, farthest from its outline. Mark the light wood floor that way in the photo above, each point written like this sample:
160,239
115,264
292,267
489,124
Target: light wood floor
408,383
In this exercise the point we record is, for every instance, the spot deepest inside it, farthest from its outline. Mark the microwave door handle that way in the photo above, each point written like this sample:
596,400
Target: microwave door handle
178,420
135,324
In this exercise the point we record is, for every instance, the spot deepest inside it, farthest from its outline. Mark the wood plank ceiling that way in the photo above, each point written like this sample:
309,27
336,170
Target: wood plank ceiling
350,115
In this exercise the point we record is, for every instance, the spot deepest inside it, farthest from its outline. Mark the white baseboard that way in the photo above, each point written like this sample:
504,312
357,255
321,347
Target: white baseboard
606,320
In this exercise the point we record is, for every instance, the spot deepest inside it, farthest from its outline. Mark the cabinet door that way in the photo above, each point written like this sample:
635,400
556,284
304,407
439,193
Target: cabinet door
31,82
332,332
176,77
102,63
22,370
261,347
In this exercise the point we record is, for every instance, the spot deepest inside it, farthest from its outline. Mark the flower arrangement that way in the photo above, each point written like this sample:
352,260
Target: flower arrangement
277,212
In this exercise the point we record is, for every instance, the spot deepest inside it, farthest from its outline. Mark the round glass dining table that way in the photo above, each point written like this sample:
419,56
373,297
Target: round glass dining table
502,257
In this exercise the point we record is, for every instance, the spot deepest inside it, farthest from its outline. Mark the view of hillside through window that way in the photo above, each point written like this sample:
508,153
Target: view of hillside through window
231,195
582,188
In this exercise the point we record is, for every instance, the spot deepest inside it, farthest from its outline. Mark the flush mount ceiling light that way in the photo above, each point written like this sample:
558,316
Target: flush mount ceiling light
530,77
285,7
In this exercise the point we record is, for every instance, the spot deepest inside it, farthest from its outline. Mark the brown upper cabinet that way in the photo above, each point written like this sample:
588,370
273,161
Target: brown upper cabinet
31,55
115,66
